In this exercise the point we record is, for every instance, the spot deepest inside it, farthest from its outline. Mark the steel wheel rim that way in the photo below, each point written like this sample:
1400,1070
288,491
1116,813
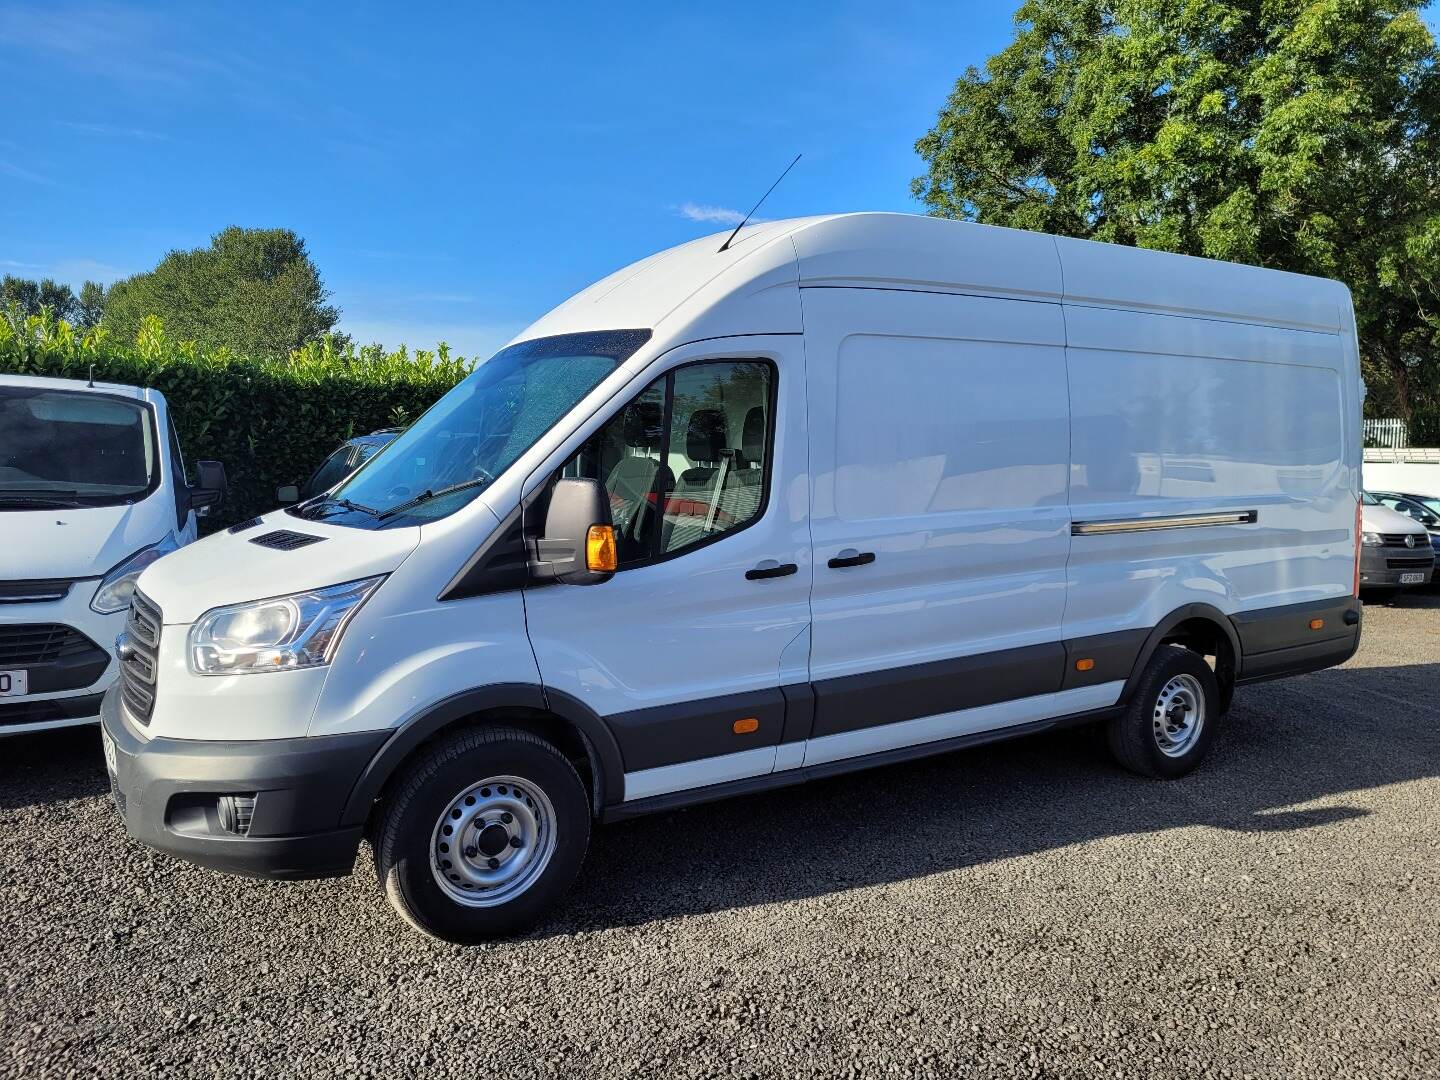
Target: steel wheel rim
1178,715
492,841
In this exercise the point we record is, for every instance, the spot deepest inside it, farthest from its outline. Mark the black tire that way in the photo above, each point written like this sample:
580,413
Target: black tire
411,815
1135,736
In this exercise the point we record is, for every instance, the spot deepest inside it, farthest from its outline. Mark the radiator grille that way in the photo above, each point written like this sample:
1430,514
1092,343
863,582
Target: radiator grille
26,644
138,670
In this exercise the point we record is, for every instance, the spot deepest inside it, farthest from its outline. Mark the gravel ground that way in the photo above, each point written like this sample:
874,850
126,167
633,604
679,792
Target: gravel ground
1018,910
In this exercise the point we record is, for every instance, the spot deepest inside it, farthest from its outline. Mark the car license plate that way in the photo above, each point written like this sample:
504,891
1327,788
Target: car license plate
13,683
1412,579
109,745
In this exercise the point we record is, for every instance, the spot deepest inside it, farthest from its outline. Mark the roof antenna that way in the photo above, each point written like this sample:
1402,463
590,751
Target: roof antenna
746,218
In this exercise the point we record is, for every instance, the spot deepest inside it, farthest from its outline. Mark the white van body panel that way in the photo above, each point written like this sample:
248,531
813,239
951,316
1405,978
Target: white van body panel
963,402
84,544
953,478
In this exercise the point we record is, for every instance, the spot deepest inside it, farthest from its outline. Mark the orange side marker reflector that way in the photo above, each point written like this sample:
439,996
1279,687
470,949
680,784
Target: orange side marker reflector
600,553
746,726
1084,665
1317,624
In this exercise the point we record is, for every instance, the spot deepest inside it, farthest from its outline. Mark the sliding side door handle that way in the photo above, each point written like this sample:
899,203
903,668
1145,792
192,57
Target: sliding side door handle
851,557
770,568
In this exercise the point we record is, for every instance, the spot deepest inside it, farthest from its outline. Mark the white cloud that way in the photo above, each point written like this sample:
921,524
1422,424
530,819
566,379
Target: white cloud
9,169
474,340
718,215
111,131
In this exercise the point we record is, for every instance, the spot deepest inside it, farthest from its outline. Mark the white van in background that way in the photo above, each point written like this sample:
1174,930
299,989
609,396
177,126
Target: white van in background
92,491
847,491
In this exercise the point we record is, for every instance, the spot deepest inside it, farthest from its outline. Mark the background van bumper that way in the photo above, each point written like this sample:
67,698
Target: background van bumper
169,793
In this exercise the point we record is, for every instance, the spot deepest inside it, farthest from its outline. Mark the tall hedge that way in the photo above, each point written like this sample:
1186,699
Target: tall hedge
271,420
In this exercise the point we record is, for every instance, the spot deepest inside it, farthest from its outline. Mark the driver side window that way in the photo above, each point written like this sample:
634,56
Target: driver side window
686,461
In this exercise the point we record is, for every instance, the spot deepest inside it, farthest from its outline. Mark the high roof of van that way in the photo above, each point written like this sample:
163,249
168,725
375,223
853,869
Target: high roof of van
695,290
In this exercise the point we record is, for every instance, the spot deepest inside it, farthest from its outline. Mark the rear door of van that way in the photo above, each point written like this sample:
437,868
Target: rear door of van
939,448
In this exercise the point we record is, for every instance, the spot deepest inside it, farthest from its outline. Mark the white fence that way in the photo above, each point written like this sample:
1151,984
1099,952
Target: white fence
1389,432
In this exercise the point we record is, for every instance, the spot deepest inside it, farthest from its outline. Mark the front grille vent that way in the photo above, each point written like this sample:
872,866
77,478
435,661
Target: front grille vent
241,526
26,644
34,592
285,540
1398,539
139,669
1423,562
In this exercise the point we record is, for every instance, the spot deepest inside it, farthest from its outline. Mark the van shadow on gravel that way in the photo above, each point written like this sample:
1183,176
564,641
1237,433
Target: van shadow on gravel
1284,744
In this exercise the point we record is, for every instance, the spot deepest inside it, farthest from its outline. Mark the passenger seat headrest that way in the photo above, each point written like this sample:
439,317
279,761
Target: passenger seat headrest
644,421
752,437
706,437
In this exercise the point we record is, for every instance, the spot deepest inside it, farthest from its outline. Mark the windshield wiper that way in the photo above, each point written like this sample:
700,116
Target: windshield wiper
39,498
312,510
426,495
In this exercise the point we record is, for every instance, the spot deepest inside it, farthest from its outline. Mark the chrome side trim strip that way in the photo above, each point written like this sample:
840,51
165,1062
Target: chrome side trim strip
1179,521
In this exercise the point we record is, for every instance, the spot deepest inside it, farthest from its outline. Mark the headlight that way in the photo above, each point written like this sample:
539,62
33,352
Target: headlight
118,585
1371,539
279,634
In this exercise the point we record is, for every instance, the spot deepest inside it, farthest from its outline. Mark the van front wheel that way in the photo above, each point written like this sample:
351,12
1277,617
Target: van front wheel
1168,726
483,833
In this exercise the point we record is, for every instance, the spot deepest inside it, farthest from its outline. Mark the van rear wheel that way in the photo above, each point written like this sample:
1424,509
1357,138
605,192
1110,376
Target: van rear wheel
1167,728
484,832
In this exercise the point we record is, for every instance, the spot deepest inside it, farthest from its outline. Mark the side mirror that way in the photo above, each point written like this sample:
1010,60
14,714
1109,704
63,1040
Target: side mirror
287,493
209,491
577,546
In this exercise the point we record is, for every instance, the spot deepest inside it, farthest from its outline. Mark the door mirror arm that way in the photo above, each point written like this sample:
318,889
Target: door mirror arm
210,488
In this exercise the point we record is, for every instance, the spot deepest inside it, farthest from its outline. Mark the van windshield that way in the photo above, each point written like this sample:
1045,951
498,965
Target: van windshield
61,448
476,431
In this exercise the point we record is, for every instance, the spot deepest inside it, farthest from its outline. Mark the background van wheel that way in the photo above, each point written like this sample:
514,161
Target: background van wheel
1171,720
482,833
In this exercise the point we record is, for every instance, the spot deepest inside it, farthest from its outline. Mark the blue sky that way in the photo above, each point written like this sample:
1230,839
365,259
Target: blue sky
455,172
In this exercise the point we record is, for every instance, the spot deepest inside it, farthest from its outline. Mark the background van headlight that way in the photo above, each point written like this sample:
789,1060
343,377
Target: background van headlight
279,634
118,585
1370,539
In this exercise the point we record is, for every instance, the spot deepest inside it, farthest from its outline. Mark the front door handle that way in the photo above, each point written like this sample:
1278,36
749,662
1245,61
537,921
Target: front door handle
851,557
770,568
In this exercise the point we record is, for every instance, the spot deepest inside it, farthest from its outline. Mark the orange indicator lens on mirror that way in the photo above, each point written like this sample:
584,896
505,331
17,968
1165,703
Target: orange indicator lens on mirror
600,549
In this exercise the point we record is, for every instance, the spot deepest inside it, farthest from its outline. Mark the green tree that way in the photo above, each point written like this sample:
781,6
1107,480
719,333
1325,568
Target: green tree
90,305
1297,134
30,296
254,291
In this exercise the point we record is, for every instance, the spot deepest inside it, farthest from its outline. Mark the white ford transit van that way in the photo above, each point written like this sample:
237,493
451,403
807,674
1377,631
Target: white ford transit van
858,488
92,491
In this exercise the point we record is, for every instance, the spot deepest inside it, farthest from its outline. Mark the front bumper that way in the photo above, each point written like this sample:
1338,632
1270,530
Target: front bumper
1376,571
167,791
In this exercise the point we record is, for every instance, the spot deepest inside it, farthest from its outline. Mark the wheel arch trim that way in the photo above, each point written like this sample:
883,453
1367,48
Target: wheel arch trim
1207,612
599,742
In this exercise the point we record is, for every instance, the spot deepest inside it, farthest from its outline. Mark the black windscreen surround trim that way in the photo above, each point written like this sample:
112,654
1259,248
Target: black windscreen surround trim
875,698
691,730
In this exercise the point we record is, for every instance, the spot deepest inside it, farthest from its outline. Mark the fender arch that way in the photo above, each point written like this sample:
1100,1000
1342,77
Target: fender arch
600,745
1208,612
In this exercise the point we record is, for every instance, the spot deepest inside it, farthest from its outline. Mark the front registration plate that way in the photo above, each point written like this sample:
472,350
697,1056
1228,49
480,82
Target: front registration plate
14,683
109,746
1412,579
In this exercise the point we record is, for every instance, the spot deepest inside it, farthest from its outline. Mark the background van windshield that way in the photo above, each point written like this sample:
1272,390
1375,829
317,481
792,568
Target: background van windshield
79,447
478,430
